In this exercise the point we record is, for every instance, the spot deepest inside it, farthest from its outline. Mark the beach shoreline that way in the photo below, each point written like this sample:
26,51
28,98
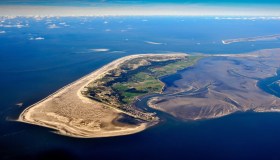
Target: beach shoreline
38,113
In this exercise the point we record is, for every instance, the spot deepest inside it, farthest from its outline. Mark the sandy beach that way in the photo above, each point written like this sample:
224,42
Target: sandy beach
72,114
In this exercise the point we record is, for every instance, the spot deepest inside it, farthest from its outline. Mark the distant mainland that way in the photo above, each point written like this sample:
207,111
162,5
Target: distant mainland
252,39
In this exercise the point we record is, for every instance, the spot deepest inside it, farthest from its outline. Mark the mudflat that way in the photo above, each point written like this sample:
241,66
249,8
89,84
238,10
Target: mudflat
220,85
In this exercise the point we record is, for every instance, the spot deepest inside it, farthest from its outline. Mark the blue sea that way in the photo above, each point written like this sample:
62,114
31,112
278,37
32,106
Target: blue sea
39,56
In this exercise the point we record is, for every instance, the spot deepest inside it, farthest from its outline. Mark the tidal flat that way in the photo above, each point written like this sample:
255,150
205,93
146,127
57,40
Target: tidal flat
221,85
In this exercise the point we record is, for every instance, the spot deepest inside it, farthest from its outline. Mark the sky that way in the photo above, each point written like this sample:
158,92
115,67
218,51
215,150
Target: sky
96,2
140,7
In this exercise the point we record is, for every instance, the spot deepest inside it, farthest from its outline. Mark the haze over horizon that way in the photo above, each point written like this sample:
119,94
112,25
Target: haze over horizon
139,8
102,2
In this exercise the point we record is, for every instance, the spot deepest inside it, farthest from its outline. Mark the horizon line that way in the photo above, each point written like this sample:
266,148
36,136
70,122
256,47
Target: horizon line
137,10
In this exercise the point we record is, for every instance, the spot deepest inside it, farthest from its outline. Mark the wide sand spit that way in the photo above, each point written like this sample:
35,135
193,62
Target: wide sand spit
72,114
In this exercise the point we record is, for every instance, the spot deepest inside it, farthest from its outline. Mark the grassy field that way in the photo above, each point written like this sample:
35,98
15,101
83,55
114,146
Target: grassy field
139,84
147,81
174,67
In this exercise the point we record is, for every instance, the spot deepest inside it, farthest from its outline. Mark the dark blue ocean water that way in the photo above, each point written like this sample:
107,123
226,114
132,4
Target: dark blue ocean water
32,69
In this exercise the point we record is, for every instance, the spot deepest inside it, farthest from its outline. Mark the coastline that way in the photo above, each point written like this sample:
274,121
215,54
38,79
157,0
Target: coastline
92,119
218,101
63,124
252,39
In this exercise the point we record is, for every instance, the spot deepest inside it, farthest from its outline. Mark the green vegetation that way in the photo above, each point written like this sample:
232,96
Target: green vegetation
138,77
174,67
139,84
147,81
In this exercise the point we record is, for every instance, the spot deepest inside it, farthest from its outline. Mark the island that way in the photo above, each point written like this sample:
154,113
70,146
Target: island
105,102
100,103
252,39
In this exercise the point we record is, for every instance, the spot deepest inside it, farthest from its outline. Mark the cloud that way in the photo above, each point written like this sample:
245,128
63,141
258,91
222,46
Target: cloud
154,43
14,26
37,39
99,50
118,52
247,18
53,26
64,24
